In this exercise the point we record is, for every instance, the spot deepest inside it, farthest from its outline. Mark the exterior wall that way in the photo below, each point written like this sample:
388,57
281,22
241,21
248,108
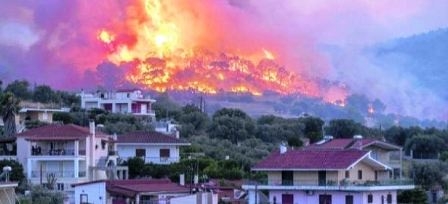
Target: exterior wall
7,193
305,177
200,198
68,168
126,151
96,193
368,174
275,177
379,154
337,197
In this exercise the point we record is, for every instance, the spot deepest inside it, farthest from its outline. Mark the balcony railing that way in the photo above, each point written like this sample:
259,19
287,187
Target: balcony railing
157,160
52,152
331,183
57,174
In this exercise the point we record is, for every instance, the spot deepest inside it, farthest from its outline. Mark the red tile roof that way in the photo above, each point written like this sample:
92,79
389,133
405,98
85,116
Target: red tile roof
346,143
58,132
149,137
131,187
311,159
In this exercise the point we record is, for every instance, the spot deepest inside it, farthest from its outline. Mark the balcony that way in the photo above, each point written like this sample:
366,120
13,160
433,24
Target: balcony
402,184
58,174
156,160
38,151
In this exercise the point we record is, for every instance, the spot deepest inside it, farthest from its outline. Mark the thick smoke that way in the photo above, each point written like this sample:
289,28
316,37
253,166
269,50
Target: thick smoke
55,42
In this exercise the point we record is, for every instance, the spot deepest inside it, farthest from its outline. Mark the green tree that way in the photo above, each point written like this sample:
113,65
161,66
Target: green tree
193,121
276,129
17,169
231,124
165,107
41,195
313,128
45,94
9,107
417,195
428,175
20,89
425,146
136,167
63,117
343,128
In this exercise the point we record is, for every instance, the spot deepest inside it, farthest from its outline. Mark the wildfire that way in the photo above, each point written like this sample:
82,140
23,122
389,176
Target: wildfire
167,59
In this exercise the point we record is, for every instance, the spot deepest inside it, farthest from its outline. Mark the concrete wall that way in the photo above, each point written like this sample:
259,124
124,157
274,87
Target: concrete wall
126,151
312,197
96,193
7,195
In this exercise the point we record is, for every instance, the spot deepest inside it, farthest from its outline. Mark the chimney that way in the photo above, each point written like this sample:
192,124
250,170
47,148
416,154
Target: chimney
92,127
182,179
358,142
328,138
283,148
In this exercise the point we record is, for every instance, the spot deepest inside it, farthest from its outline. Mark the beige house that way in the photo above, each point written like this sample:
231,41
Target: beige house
325,176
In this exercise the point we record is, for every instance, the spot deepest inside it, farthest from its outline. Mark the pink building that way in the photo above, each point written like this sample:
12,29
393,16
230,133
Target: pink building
325,176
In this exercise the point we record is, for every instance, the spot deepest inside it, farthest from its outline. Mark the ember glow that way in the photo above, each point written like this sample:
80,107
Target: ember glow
165,59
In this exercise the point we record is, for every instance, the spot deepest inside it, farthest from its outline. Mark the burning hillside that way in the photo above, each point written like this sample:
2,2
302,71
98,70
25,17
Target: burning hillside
171,52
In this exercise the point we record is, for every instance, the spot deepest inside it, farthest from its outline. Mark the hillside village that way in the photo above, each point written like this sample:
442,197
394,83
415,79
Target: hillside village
124,146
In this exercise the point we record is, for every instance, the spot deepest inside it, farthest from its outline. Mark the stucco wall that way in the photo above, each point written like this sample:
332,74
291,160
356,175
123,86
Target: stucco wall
96,192
126,151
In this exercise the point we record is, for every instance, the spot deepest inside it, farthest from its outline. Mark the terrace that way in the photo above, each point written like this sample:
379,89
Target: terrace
402,184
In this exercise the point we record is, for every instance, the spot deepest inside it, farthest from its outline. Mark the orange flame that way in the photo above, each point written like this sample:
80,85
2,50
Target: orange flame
167,60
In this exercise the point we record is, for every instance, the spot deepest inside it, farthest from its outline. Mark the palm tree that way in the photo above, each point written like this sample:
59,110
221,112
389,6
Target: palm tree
9,107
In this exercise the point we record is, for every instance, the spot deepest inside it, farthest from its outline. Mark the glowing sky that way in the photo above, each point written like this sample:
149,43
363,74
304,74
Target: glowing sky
56,42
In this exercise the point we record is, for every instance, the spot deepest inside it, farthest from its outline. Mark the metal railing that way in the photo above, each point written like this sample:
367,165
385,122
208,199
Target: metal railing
391,182
60,174
52,152
156,160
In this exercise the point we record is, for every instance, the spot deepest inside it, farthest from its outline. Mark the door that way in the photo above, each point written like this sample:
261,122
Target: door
287,178
324,199
144,109
349,199
322,176
287,199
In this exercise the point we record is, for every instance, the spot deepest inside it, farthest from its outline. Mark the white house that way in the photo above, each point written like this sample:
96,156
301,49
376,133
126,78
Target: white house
153,147
60,155
154,191
122,101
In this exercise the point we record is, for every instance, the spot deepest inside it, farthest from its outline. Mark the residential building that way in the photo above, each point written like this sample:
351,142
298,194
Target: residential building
59,155
388,154
325,176
35,112
123,101
153,191
153,147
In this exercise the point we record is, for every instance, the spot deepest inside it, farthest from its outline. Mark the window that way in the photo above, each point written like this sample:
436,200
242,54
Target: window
165,153
389,198
370,198
325,199
347,174
140,152
349,199
359,174
84,198
60,186
103,145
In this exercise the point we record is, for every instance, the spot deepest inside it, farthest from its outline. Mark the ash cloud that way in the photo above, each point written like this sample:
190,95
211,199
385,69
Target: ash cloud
55,42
